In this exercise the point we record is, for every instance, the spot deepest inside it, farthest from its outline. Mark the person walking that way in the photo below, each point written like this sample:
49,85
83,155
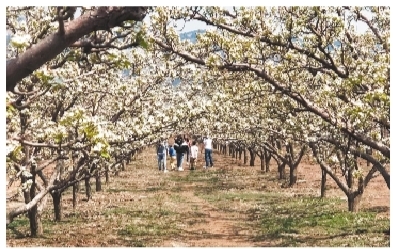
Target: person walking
181,148
161,156
172,156
207,145
193,154
188,152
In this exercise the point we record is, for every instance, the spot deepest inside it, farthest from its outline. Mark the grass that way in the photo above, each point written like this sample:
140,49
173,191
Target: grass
301,221
187,205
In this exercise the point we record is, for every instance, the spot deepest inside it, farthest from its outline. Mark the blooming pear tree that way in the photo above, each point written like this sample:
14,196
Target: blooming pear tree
277,80
312,56
93,112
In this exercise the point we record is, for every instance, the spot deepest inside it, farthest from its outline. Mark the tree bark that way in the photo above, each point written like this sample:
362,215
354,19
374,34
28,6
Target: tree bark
292,175
245,156
103,18
74,192
35,222
252,157
98,182
56,196
354,202
281,170
87,188
106,173
123,165
263,165
323,183
268,157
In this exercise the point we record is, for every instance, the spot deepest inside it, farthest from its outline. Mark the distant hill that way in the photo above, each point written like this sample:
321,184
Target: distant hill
191,35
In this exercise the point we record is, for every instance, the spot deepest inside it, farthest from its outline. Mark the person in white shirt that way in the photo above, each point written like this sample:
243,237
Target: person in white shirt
207,144
194,154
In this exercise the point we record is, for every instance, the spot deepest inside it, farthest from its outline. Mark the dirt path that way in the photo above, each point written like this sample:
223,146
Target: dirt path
229,205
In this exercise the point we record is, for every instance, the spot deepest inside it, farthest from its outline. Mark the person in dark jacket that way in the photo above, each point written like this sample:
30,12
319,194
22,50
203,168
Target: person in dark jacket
181,148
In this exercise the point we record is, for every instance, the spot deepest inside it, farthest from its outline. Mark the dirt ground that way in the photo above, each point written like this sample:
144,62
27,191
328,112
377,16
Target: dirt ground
145,207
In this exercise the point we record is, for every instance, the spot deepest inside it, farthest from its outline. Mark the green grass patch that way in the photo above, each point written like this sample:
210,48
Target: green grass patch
19,222
195,176
312,221
300,221
149,229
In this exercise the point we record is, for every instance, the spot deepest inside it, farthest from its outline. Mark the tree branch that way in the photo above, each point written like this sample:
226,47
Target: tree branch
26,207
100,19
60,19
328,170
385,150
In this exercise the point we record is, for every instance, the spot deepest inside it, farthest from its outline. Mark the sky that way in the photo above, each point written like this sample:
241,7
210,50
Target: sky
192,25
360,27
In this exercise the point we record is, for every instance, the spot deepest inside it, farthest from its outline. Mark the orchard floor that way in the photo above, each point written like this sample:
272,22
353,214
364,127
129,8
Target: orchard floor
228,205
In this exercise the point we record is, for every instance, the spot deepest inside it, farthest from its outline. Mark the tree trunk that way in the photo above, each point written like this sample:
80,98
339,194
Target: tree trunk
34,219
354,202
252,157
123,165
323,183
369,152
263,166
98,182
268,157
56,196
292,175
74,191
87,188
281,170
107,174
35,223
245,156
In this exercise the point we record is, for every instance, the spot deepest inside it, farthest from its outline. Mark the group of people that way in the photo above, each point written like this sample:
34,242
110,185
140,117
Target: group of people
183,147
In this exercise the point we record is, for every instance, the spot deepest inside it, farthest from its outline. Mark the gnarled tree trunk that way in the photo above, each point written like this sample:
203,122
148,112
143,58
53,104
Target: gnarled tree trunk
57,196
